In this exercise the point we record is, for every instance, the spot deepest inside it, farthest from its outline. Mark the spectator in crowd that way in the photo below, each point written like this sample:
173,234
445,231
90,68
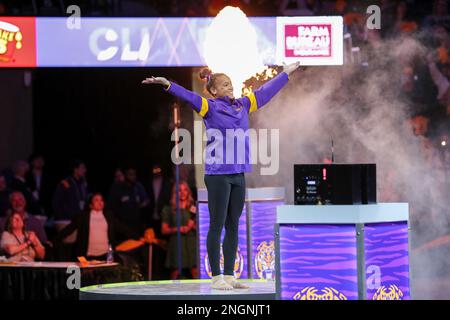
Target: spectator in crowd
18,183
339,7
18,205
439,14
4,196
18,243
440,80
407,78
119,176
187,230
300,7
68,200
71,193
420,125
388,16
127,199
440,8
187,174
403,23
442,58
159,197
441,33
96,230
38,181
354,21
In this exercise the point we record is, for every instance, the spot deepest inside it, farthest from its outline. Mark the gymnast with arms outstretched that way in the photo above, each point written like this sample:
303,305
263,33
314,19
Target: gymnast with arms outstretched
225,180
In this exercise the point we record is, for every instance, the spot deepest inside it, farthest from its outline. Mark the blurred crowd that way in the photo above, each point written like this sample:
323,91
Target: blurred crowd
200,8
43,219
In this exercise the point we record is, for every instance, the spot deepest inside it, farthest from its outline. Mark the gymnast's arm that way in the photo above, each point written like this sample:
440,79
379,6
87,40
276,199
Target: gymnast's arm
266,92
198,103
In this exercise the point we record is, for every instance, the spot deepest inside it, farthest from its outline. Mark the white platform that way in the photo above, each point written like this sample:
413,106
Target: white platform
342,214
178,290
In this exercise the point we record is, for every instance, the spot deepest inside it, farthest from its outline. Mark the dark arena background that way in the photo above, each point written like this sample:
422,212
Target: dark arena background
125,125
102,188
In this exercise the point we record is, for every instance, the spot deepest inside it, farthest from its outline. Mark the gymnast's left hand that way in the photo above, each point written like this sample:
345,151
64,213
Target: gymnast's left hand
156,80
290,68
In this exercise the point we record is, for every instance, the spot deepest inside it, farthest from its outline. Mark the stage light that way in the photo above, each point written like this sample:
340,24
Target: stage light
444,141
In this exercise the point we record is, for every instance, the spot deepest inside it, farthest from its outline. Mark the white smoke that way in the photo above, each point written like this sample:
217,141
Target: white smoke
364,111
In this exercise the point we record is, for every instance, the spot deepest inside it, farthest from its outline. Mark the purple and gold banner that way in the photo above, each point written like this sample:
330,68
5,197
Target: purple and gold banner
264,214
240,266
387,261
318,262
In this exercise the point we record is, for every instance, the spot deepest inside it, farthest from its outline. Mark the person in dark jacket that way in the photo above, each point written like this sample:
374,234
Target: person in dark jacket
40,183
18,183
159,197
96,230
127,199
71,193
4,196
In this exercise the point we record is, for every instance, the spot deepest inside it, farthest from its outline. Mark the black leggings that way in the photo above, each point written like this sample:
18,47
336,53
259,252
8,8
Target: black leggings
226,197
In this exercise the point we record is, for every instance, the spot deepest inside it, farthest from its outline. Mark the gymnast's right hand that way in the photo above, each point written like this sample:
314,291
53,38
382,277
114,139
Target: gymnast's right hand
156,80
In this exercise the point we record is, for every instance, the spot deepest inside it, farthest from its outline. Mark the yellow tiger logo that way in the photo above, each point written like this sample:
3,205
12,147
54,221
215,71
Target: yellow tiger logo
312,293
238,263
393,293
265,260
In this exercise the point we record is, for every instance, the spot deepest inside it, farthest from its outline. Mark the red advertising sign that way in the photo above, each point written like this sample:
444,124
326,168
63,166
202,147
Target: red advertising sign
17,42
308,40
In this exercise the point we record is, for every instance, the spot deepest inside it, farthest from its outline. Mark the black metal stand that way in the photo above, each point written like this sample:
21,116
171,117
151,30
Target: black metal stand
176,120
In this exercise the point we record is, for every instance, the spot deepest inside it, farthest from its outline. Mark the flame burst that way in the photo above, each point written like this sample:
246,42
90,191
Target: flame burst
258,80
231,47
